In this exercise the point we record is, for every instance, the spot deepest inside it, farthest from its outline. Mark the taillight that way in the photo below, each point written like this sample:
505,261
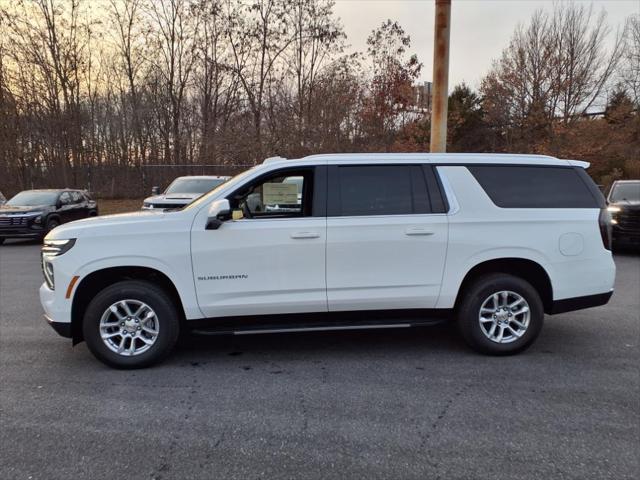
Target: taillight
604,221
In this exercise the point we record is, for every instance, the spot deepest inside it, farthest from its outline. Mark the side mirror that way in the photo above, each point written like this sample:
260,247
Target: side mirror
155,190
219,211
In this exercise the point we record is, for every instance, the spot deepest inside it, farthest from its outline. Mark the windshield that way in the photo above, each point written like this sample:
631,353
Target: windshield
229,183
32,198
625,192
193,185
298,181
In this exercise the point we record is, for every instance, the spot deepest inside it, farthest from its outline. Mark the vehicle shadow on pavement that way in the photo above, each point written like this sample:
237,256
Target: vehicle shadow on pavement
433,339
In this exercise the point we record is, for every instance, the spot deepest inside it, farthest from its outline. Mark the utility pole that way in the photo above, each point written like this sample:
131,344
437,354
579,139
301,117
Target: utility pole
440,92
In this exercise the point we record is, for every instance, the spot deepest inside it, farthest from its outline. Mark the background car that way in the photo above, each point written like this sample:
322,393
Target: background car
33,213
624,206
182,191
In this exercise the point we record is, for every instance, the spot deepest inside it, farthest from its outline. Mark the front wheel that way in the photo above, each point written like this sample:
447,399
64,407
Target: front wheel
131,324
500,314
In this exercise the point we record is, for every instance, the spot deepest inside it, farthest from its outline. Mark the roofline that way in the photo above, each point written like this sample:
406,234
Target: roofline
433,158
202,176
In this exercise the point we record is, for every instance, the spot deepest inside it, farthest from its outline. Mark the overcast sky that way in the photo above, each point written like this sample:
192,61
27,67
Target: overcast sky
480,29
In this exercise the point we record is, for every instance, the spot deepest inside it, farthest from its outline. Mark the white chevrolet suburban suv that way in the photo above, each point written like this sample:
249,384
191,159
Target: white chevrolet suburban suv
348,241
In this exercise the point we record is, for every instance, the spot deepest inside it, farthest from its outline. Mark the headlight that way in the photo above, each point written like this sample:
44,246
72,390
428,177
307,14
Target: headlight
35,216
50,249
47,270
614,209
54,248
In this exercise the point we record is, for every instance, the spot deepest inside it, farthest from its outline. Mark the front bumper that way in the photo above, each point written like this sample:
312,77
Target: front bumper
56,310
626,236
23,232
61,328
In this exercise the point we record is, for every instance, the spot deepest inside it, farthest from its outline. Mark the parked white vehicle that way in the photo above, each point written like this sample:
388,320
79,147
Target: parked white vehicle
372,241
182,191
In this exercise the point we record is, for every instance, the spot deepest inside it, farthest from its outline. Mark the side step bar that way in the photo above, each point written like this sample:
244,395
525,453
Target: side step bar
326,328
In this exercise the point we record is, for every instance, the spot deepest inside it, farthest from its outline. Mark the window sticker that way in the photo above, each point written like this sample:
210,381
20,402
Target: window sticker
280,194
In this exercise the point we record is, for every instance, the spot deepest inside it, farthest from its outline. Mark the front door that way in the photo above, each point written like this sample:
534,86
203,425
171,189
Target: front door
270,258
386,238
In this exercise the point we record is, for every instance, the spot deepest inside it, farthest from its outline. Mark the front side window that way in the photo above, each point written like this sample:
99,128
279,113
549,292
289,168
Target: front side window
380,190
65,198
281,194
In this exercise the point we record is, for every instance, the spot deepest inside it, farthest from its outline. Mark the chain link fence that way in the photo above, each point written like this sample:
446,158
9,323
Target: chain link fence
111,181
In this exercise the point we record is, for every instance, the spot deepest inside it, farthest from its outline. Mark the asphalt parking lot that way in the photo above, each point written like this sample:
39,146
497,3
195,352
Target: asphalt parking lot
383,404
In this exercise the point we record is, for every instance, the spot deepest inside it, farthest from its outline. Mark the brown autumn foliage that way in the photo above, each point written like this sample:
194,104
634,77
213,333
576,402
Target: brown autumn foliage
119,95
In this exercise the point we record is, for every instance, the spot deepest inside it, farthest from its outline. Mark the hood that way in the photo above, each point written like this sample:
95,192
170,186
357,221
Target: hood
16,209
626,204
182,197
94,226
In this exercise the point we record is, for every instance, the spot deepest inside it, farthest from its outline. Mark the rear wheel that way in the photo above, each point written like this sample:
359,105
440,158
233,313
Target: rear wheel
131,324
500,314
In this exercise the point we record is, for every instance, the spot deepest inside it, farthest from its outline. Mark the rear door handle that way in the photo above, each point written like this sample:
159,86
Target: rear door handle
301,235
418,231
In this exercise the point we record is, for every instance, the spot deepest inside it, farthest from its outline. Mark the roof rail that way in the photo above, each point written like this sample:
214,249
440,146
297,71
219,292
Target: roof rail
273,159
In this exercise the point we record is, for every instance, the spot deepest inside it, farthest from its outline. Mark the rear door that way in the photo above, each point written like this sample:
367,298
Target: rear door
387,235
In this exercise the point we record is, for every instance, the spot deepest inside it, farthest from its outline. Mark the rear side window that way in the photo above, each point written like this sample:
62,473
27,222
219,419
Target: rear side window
511,186
378,190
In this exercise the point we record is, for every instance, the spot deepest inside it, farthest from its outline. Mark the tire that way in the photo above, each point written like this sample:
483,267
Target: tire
100,316
1,240
518,330
50,225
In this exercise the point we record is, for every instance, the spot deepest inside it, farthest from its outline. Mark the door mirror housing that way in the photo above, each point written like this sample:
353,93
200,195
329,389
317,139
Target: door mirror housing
219,212
155,190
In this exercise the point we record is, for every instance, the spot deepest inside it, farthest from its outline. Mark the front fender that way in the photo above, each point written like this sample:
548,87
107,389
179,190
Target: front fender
181,279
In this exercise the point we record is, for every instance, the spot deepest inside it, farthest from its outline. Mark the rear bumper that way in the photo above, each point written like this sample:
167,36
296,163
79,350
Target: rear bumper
578,303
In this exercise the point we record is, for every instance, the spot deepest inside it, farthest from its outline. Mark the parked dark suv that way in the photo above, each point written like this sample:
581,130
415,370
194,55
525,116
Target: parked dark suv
33,213
624,205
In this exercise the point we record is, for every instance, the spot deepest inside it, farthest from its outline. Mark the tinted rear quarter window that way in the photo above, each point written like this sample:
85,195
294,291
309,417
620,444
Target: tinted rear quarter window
515,186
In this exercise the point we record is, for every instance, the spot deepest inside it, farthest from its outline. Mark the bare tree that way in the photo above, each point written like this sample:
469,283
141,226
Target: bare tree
630,65
175,39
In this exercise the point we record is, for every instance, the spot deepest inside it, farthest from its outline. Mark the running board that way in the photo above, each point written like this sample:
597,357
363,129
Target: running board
328,328
317,322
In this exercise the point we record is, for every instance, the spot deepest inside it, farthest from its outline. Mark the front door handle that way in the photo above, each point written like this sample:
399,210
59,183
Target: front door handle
418,231
300,235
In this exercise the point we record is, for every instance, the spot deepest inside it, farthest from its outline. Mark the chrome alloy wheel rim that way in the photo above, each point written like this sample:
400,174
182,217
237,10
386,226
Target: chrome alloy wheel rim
504,317
129,327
